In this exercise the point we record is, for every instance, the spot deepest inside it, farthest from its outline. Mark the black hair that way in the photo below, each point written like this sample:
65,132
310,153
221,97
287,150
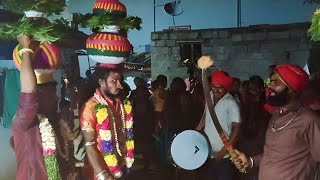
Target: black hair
162,77
138,81
162,80
236,80
103,73
257,80
245,84
272,66
178,85
88,73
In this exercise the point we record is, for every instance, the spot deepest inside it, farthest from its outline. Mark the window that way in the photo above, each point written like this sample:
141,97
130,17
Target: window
191,51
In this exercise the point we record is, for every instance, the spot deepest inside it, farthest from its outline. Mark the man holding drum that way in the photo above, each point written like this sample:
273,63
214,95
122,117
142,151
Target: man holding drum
219,166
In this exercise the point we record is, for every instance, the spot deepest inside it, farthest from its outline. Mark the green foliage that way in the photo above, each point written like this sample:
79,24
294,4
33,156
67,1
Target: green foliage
38,30
47,6
312,1
99,106
96,22
314,30
51,166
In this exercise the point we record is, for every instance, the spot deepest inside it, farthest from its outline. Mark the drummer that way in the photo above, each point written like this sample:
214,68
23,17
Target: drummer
218,166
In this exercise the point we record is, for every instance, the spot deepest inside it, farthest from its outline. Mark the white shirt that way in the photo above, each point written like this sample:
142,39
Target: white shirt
228,111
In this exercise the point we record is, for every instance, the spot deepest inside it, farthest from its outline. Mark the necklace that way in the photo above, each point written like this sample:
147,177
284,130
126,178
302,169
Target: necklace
115,129
273,129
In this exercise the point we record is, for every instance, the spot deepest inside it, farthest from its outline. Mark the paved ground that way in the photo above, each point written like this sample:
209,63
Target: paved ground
159,172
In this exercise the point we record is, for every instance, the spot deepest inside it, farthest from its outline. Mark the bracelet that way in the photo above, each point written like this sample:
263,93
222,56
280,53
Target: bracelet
89,143
102,175
87,129
251,162
23,50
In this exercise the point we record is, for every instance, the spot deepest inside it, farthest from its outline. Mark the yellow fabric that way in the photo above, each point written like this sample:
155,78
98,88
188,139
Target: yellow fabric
44,78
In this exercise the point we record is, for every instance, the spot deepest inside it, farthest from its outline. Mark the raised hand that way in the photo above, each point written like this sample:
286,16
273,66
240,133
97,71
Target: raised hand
24,40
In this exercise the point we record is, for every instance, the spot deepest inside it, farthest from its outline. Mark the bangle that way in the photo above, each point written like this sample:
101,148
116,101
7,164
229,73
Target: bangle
23,50
89,143
102,175
251,162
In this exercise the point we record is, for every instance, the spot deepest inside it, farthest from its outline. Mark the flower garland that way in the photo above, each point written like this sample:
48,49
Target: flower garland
314,30
48,139
106,124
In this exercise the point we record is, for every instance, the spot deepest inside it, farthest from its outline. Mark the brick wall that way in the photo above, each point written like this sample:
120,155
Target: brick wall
242,52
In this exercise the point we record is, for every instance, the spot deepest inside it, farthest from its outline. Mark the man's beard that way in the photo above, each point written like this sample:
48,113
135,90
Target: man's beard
112,96
279,99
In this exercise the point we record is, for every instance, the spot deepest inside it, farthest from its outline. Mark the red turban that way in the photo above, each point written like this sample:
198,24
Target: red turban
222,79
293,76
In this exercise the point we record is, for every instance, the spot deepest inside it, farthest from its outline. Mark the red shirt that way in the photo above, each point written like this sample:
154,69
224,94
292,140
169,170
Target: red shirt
88,120
27,140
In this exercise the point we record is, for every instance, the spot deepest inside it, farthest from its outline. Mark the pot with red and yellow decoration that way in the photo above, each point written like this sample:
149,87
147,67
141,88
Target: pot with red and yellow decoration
46,58
113,8
107,47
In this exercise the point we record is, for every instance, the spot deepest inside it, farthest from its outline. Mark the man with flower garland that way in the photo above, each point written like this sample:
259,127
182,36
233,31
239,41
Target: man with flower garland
37,139
106,123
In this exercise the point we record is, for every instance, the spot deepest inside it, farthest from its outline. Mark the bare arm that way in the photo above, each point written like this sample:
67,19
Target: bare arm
235,133
94,156
27,76
28,102
88,122
233,139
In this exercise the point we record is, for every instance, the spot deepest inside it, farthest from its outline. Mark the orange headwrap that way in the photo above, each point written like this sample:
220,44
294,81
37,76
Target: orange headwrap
222,79
293,76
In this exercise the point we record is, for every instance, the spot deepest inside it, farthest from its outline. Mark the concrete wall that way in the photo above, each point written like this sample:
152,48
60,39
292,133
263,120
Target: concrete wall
205,14
242,52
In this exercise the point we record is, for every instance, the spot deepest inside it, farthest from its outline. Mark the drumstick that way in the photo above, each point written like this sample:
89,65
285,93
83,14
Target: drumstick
205,62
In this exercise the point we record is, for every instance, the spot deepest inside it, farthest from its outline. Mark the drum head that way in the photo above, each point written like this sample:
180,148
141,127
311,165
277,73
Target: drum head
189,149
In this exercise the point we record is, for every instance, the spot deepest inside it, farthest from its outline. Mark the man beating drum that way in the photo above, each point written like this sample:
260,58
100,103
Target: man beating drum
221,124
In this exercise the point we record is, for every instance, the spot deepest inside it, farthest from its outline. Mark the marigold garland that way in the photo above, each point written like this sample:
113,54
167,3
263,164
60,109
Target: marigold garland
103,114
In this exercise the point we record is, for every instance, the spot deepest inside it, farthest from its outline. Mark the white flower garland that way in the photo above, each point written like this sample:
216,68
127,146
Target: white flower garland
49,149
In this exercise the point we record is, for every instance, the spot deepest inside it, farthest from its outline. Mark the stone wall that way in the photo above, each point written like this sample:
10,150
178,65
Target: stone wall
242,52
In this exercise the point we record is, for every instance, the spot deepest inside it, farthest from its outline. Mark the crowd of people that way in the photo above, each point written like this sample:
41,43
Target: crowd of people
273,124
